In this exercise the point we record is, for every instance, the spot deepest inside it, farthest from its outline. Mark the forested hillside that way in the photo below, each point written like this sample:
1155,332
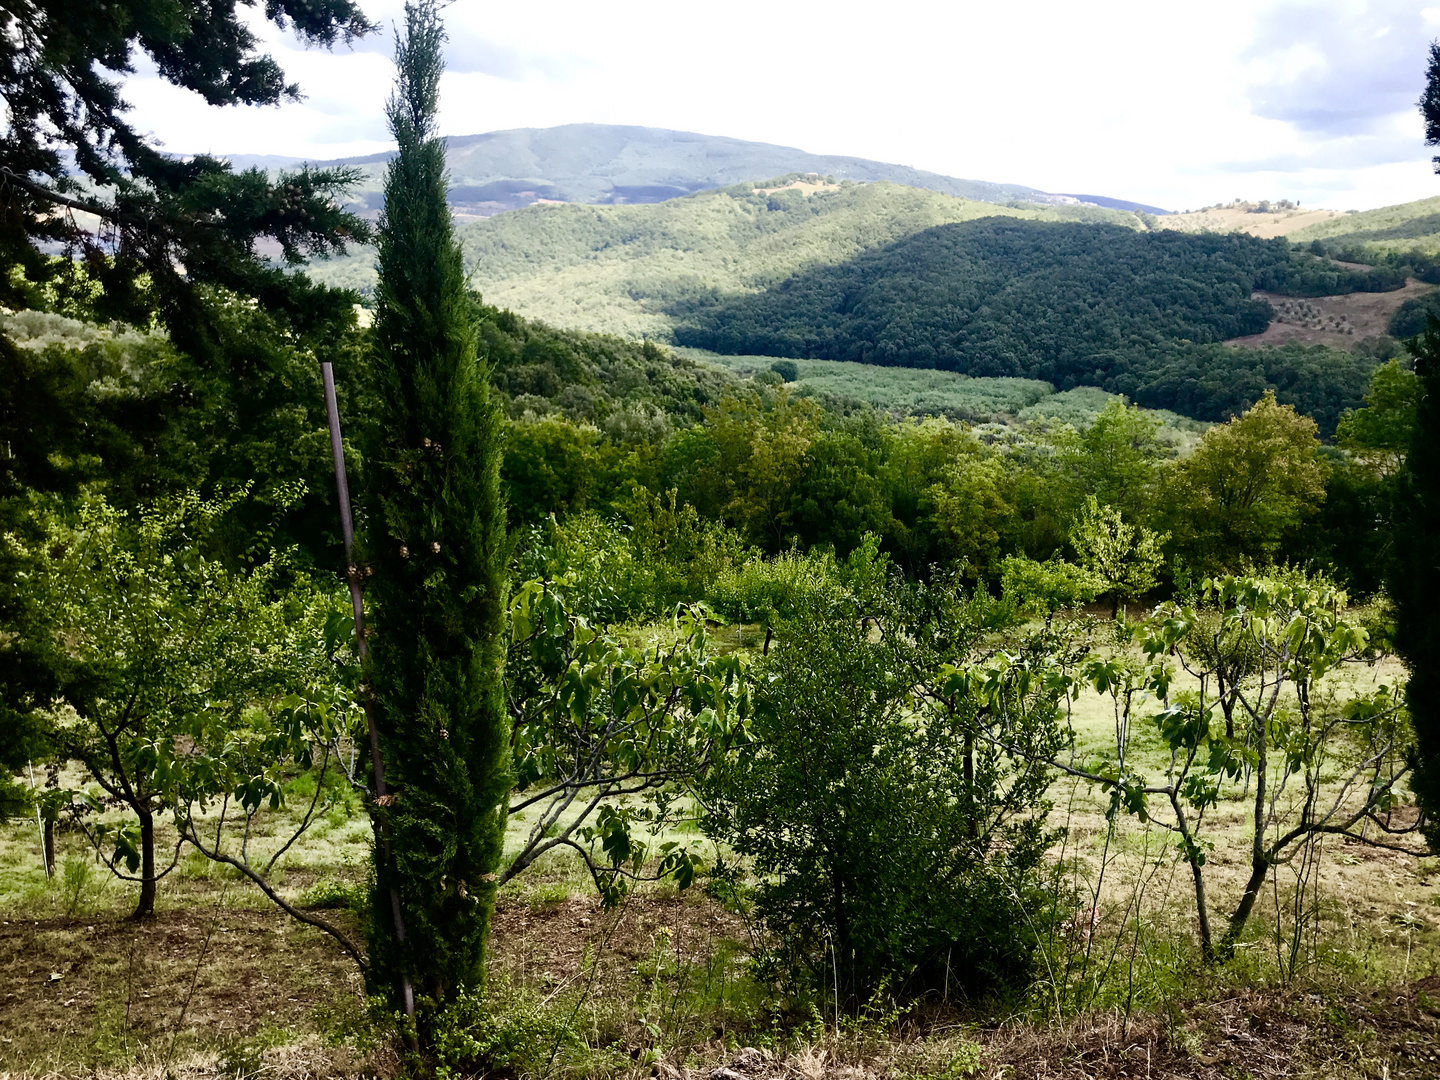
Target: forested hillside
617,269
897,276
1072,304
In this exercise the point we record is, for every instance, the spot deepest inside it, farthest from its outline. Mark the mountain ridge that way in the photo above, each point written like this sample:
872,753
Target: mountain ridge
616,164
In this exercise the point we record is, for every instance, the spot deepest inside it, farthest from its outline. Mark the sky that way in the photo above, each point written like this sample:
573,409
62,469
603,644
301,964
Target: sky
1176,104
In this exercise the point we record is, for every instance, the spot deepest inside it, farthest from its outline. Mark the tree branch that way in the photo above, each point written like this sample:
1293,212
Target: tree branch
341,938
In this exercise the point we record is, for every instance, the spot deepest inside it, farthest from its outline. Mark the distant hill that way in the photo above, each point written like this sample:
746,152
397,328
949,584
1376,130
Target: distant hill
621,269
1073,295
1138,312
1387,231
1114,204
1412,226
610,164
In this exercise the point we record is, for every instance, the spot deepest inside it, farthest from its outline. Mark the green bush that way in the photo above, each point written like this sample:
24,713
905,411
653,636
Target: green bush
1410,317
330,892
504,1030
1036,588
769,591
895,850
612,570
786,369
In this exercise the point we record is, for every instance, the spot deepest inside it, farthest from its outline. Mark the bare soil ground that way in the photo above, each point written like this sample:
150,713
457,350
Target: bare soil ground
1240,219
124,990
1339,321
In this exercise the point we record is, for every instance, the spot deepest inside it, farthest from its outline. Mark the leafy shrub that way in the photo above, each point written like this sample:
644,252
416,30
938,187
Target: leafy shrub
892,853
504,1030
331,892
1040,588
1410,317
786,369
773,590
613,570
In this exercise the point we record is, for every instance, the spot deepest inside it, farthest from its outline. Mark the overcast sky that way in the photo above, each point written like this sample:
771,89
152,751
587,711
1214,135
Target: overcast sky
1173,103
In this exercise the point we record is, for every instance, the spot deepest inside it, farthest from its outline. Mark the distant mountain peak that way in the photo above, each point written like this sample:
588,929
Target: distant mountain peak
620,163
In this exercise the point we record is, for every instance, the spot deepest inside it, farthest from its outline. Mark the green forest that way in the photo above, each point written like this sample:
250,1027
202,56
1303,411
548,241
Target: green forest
615,268
1071,304
873,636
881,274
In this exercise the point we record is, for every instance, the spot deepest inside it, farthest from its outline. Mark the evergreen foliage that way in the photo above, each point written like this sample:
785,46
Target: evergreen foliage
436,545
67,146
1414,582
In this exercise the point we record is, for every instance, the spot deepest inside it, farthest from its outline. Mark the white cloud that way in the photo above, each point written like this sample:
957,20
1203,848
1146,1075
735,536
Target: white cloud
1177,104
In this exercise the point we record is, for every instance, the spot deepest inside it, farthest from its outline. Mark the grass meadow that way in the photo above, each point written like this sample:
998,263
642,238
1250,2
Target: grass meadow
220,983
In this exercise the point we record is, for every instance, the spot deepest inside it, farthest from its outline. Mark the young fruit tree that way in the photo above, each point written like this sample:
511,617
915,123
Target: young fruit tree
157,652
1125,559
608,736
435,541
1248,707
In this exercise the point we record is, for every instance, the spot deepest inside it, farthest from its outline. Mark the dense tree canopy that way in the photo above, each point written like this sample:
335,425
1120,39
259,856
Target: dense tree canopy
1415,575
165,224
1073,304
1248,483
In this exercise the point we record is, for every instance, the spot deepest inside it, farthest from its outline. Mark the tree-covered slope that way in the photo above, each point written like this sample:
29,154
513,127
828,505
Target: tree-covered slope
1071,304
997,297
619,269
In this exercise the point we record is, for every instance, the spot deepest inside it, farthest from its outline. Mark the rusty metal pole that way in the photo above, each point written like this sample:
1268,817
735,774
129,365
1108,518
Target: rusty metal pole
357,604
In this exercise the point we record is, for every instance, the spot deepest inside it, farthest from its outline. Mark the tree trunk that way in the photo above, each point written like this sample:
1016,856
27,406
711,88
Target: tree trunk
1258,870
48,847
1259,863
1202,909
1202,905
843,967
972,824
146,907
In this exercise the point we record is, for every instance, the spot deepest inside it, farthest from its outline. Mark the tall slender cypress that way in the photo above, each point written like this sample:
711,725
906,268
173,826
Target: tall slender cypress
1414,578
436,544
1414,582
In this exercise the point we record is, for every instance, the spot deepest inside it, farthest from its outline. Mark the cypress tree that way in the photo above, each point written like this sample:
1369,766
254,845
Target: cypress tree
435,542
1414,578
1414,583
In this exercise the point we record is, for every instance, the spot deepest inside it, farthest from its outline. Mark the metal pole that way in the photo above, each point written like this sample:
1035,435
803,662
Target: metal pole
39,824
357,604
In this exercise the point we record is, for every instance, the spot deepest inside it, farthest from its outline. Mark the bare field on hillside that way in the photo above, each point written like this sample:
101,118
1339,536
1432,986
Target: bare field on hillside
1325,320
1266,226
805,187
